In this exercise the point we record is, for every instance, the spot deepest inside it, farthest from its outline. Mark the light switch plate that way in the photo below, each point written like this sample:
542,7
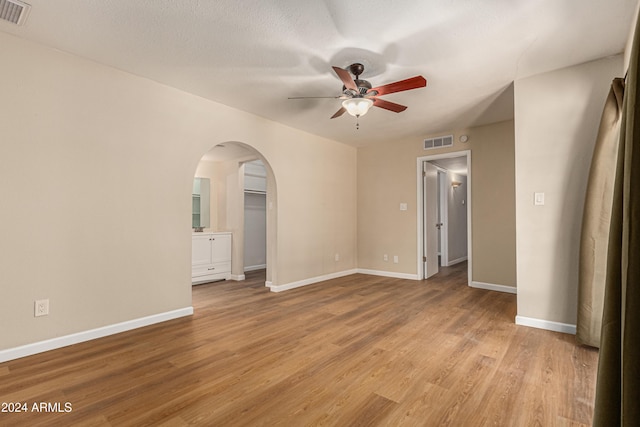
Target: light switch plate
538,199
403,206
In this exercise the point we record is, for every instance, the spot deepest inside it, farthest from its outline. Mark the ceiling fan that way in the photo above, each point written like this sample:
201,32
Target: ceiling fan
358,95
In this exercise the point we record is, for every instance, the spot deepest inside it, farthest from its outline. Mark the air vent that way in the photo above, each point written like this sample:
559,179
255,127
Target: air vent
14,11
438,142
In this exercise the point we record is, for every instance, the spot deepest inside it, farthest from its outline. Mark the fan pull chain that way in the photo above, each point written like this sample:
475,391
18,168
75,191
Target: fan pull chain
357,122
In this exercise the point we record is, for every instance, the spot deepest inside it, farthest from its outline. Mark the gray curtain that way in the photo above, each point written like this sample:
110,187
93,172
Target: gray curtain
594,242
618,385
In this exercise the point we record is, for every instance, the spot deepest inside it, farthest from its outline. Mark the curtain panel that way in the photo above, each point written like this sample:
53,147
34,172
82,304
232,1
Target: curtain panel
618,384
594,242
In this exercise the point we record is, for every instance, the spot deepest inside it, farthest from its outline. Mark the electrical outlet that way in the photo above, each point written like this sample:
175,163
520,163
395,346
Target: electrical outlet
395,259
385,257
337,257
41,307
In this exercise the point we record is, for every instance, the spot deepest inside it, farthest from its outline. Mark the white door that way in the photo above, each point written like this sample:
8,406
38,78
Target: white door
443,213
430,197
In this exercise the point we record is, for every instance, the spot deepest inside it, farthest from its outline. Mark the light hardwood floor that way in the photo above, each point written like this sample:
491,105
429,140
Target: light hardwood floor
359,350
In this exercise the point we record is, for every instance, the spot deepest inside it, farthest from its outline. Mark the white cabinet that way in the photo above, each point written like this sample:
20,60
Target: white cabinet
210,257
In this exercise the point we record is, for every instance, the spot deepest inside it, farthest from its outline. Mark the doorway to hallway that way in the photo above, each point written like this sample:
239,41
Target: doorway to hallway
444,218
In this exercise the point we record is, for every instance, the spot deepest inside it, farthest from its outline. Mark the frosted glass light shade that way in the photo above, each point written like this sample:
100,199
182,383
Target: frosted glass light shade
357,106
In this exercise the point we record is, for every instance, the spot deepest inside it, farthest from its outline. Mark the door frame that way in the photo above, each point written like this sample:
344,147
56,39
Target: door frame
420,204
237,197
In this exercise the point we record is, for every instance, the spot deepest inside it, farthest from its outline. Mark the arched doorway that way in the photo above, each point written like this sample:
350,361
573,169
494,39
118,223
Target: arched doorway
224,166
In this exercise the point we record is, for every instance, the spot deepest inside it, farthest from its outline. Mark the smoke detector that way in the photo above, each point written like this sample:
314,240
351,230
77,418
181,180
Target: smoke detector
14,11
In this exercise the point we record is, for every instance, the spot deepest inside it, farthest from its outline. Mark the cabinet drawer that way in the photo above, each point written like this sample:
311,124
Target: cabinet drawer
205,270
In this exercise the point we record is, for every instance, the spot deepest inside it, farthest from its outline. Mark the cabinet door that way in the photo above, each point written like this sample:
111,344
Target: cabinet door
221,248
201,253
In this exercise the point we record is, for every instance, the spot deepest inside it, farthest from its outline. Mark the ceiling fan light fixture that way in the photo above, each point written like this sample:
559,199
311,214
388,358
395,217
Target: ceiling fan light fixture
357,106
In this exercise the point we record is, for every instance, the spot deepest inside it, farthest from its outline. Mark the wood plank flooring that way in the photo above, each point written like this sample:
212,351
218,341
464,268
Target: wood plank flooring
355,351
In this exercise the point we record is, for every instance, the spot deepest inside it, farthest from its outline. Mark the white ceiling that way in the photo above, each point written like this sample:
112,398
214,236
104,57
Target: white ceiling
253,54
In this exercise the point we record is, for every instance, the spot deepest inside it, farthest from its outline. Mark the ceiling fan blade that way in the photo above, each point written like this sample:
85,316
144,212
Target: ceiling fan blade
346,78
391,106
408,84
339,112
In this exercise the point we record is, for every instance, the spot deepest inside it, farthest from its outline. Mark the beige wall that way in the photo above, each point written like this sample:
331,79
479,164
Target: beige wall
632,30
96,171
387,177
494,210
557,117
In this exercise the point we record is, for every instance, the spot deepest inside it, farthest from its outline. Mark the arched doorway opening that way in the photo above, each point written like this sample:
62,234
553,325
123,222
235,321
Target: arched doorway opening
230,169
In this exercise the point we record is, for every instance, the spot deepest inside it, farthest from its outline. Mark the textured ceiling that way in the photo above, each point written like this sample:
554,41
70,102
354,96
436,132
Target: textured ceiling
254,54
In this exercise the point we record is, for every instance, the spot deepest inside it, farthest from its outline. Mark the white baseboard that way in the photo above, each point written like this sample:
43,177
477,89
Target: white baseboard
389,274
456,261
268,284
546,324
310,281
64,341
494,287
236,277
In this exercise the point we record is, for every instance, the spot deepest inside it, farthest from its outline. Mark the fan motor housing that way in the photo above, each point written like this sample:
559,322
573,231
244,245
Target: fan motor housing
363,86
356,69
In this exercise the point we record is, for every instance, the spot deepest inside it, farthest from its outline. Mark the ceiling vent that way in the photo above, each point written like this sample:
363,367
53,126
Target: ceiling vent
14,11
438,142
